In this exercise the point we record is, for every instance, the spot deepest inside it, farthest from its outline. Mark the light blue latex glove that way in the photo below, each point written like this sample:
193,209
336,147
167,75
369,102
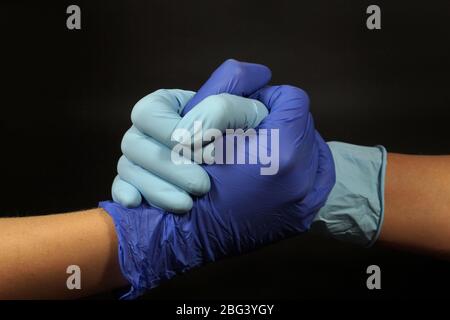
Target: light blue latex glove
147,144
355,207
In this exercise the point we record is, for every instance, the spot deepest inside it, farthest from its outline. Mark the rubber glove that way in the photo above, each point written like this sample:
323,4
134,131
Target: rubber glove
354,209
243,209
148,142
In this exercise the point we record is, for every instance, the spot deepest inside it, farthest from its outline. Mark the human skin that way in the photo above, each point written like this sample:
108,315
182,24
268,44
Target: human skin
417,204
36,251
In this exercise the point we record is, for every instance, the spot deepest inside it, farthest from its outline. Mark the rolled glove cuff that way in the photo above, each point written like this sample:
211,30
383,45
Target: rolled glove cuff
354,209
152,246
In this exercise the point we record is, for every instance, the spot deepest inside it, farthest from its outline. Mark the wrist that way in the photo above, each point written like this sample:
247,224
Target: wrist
154,245
354,209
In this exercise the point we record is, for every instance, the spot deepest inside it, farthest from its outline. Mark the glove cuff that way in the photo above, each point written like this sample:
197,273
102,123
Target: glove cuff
154,245
129,266
354,209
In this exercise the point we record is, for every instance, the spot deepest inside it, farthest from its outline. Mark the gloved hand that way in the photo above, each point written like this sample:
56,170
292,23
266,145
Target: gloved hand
147,144
243,209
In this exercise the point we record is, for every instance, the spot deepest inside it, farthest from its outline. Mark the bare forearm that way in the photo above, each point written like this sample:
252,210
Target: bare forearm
36,251
417,203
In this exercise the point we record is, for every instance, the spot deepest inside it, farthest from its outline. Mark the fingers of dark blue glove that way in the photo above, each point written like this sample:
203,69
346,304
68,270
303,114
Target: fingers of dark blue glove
288,106
324,181
326,173
289,116
233,77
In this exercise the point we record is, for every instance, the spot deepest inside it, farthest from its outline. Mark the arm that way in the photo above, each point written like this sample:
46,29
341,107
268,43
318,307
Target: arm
417,203
399,200
33,264
36,251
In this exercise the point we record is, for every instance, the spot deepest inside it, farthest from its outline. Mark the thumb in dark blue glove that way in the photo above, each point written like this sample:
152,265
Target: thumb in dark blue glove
233,77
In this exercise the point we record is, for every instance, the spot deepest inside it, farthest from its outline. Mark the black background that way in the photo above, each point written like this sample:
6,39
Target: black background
66,98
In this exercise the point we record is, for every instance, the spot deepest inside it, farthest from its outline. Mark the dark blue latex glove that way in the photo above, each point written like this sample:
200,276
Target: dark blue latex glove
243,209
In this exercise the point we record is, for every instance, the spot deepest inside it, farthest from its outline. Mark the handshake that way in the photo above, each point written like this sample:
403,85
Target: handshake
231,168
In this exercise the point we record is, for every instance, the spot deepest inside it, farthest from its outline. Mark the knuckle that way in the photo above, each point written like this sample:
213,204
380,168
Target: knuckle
182,204
142,108
122,165
127,142
234,67
138,111
217,102
295,91
291,94
198,187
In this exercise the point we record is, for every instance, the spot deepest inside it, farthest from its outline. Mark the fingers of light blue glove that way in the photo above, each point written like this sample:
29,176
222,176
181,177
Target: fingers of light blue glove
221,112
233,77
158,159
158,113
155,190
125,194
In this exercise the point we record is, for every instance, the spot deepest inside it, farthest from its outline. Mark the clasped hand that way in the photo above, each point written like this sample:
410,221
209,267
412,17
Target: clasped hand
223,209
